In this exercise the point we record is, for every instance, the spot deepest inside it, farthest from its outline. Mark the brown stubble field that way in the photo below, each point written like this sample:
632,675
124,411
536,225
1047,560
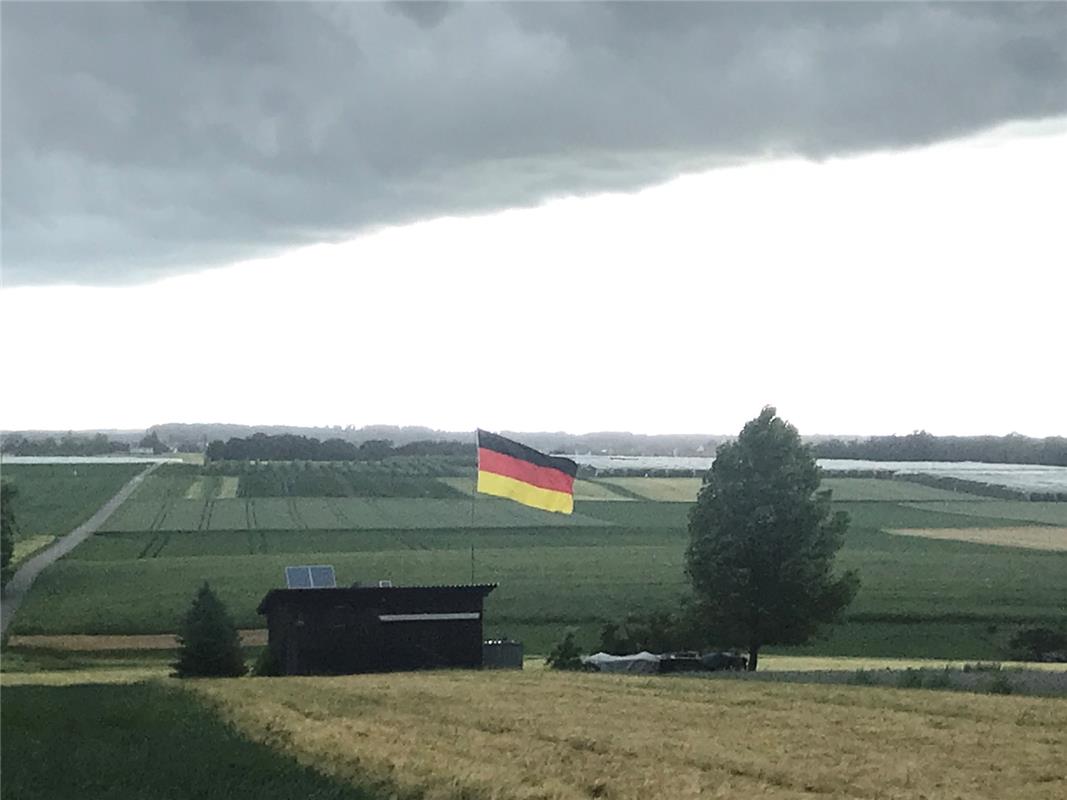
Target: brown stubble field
550,735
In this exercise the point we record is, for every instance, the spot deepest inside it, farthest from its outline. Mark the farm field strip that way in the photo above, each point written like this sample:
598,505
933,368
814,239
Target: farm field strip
545,579
668,490
571,736
1035,537
1017,510
685,490
583,489
287,513
54,499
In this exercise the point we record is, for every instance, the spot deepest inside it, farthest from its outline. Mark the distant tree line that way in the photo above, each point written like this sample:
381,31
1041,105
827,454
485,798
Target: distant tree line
289,447
70,445
923,446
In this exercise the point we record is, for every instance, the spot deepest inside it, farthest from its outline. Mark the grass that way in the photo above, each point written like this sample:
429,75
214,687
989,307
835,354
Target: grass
54,499
141,740
544,734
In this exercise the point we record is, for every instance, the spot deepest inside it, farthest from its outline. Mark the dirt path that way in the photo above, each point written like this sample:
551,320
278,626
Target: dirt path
23,579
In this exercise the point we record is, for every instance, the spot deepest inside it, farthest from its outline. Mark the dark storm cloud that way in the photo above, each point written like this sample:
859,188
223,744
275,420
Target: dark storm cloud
145,139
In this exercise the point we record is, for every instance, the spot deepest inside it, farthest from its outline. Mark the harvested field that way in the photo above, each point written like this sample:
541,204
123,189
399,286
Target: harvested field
1032,537
665,490
90,644
543,734
228,487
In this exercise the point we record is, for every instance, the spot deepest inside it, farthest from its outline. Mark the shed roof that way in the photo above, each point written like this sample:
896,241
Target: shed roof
366,594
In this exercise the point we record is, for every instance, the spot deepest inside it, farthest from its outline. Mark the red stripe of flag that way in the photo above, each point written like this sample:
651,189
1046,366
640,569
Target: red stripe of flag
543,477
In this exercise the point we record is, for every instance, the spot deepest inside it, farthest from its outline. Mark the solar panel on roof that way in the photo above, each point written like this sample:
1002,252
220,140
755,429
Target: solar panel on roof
319,576
322,577
298,577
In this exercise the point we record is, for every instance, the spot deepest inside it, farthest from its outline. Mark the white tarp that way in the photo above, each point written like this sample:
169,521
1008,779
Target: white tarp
643,663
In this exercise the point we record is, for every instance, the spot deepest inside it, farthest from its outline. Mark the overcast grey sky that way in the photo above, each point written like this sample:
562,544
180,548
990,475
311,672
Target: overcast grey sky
555,216
141,140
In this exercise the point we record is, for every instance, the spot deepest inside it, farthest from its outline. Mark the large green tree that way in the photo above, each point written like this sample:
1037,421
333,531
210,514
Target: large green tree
763,540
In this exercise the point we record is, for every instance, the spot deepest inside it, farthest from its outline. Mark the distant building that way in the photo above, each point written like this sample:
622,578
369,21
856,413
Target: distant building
375,628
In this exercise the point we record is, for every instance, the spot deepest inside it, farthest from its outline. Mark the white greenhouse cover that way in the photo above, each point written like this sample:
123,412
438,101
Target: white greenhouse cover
644,663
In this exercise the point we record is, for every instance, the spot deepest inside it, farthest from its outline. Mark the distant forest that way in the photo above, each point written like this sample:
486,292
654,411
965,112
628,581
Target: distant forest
922,446
69,445
242,442
289,447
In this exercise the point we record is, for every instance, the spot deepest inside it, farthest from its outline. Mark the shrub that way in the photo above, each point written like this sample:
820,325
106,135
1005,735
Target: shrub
938,680
861,677
1000,685
1034,644
910,679
566,654
982,666
208,641
266,665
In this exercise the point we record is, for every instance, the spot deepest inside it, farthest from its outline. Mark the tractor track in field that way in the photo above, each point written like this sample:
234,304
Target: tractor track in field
19,585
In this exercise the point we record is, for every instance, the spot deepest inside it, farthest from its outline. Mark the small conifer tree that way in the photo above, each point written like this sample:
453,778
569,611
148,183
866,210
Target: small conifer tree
8,529
209,643
566,654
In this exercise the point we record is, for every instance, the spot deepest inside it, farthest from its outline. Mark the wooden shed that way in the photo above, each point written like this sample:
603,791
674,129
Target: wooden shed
374,628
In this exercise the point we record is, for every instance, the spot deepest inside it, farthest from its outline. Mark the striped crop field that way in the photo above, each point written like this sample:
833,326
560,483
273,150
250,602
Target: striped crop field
583,489
550,735
338,513
1032,537
1018,510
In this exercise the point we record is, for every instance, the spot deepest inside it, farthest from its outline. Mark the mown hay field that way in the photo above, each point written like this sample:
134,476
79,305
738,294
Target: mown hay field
1034,537
667,490
548,735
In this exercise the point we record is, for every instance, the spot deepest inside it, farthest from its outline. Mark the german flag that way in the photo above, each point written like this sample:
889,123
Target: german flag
520,473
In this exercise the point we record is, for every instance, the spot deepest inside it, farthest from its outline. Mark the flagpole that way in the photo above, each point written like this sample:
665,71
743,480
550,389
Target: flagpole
474,496
474,487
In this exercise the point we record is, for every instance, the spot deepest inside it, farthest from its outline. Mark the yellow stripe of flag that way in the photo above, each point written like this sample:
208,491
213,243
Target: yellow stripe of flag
547,499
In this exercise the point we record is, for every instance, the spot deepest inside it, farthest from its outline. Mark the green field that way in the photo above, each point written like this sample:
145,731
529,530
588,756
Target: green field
1010,510
919,597
54,499
340,513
